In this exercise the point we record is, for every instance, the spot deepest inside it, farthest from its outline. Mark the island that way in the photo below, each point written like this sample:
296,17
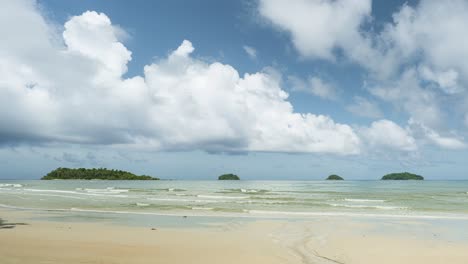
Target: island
93,174
228,177
334,177
402,176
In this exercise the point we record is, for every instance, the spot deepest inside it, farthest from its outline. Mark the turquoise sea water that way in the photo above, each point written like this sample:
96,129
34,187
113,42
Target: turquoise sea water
408,199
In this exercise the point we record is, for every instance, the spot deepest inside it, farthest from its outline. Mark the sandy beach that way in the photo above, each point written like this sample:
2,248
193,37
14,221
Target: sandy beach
314,241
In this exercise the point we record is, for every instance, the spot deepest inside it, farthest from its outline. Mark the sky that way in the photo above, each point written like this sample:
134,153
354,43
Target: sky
266,89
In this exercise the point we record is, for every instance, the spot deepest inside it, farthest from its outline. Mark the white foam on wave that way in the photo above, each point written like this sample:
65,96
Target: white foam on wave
364,200
202,208
142,204
370,206
221,197
109,190
349,214
181,200
14,185
57,195
75,192
248,191
244,202
50,191
258,214
174,190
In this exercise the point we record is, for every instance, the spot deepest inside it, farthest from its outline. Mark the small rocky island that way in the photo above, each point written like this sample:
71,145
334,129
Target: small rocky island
228,177
334,177
402,176
93,174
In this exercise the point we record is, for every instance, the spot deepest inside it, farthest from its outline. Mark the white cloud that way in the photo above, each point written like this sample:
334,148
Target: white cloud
446,80
184,50
434,138
363,107
318,27
251,52
70,88
92,35
315,86
435,30
386,134
421,48
445,142
408,95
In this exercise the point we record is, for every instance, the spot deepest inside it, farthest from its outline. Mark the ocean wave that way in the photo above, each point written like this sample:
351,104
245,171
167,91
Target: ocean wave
202,208
221,197
109,190
142,204
242,190
175,190
57,195
370,206
350,214
75,192
182,200
257,213
274,198
50,191
364,200
14,185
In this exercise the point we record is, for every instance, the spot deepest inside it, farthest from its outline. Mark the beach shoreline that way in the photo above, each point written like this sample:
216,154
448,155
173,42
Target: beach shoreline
320,240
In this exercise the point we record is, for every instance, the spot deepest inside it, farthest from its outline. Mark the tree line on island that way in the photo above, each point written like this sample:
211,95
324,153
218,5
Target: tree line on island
107,174
392,176
93,174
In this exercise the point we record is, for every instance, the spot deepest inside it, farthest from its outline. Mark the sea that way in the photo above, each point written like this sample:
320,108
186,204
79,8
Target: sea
249,199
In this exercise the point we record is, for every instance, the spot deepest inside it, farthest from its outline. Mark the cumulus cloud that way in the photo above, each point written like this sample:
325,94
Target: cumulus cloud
92,35
446,80
317,27
421,48
363,107
68,87
386,134
315,86
251,52
408,95
433,137
433,29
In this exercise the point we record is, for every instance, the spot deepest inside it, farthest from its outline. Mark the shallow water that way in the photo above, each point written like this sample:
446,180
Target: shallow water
418,199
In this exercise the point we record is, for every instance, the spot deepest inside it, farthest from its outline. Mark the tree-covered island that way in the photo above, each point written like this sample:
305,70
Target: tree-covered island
334,177
230,176
93,174
402,176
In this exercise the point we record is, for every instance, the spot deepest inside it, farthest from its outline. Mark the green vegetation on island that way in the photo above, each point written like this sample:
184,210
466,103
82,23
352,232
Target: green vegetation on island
402,176
334,177
229,176
93,174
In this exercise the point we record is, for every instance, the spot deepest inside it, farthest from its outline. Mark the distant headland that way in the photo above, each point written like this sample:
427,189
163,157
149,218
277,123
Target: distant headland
334,177
227,177
402,176
93,174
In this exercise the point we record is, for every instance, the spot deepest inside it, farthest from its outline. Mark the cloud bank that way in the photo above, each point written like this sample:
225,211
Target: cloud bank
69,87
417,62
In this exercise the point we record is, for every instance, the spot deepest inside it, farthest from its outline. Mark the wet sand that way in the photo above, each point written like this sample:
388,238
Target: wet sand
279,241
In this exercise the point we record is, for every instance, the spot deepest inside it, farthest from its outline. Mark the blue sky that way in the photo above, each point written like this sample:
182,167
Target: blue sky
169,88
